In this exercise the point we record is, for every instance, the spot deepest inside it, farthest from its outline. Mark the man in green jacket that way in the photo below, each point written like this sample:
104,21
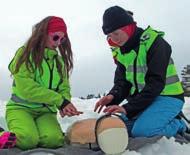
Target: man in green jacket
146,76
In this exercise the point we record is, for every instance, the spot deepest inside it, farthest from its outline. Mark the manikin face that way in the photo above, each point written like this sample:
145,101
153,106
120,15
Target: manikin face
55,39
119,37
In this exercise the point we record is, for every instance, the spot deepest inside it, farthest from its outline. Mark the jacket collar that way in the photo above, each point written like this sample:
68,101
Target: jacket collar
49,53
133,42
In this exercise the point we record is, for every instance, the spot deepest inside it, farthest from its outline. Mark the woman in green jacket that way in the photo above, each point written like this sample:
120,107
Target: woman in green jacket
40,70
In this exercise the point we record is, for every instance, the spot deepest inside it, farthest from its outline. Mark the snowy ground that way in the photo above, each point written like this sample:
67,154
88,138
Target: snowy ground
162,147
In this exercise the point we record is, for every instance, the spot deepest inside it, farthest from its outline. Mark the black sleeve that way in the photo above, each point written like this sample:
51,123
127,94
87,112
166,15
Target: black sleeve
157,61
121,87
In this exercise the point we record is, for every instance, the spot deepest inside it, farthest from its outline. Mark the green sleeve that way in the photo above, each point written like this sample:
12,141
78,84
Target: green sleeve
32,91
64,89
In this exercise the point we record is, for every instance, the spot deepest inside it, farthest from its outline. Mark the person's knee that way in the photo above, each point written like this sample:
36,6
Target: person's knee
26,140
52,140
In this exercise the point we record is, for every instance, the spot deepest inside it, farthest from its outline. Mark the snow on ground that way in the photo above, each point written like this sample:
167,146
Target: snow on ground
162,147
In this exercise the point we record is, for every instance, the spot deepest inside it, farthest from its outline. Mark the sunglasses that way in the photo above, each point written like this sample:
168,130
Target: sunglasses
56,38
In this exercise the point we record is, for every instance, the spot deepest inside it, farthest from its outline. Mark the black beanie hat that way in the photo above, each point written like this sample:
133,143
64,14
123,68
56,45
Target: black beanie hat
116,17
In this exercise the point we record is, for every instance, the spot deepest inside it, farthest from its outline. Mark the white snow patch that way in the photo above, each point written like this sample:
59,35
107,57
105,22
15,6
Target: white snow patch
163,147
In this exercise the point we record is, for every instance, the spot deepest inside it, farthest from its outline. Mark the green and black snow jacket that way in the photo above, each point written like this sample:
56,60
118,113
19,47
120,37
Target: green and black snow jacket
144,71
33,89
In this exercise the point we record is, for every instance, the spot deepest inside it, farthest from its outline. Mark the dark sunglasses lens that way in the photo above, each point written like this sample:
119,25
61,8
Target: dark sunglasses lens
55,38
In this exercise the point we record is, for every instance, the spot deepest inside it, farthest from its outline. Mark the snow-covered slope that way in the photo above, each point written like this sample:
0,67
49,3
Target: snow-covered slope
162,147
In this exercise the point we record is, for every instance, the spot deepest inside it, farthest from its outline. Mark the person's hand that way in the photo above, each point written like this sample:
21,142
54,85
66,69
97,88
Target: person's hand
69,110
7,140
103,102
114,109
